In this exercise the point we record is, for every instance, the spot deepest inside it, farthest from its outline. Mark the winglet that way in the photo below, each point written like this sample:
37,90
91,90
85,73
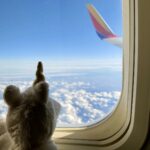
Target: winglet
102,28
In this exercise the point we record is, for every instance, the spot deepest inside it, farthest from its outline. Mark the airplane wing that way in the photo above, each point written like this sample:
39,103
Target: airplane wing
102,29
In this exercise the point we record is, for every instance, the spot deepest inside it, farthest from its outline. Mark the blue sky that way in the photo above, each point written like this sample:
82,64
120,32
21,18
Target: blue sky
56,31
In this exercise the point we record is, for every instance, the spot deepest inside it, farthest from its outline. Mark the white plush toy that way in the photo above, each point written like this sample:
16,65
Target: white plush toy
31,117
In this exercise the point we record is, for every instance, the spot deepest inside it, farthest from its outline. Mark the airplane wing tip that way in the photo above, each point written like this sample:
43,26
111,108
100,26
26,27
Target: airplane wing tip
102,28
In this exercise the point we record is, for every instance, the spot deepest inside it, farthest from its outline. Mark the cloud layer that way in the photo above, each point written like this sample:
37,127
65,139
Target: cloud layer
81,105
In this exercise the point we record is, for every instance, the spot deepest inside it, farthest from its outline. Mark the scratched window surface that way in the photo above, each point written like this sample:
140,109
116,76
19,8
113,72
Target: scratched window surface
80,45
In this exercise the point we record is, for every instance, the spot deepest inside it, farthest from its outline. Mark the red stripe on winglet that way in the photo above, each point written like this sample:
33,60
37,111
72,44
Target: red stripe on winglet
100,28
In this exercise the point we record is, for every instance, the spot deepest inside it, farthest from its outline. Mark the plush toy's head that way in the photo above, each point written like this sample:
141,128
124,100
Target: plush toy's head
31,119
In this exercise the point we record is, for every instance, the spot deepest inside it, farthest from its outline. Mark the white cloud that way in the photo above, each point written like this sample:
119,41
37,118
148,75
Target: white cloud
3,109
79,106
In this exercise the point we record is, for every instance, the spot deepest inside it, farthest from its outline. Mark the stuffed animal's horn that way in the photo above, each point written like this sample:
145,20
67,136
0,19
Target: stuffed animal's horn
39,74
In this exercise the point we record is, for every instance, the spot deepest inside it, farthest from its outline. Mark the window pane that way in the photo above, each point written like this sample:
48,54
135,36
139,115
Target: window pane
82,55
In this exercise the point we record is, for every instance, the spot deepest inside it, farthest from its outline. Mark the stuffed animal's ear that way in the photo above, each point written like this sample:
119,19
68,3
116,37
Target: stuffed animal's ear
12,95
41,90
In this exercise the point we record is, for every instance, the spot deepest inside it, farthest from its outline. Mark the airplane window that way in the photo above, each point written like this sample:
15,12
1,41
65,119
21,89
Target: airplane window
80,45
